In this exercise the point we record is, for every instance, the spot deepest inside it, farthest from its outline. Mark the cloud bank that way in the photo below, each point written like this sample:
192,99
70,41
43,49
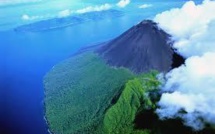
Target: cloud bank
97,8
94,8
145,6
189,91
26,17
190,26
123,3
65,13
68,12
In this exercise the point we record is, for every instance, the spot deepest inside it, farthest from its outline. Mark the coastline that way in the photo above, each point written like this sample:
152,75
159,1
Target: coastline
47,123
44,117
81,50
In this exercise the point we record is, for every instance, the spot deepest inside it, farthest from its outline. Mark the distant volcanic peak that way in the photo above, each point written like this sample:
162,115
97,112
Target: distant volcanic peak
142,48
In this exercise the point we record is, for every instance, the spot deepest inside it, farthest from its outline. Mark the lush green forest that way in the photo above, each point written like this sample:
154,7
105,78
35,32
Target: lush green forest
84,95
78,92
120,117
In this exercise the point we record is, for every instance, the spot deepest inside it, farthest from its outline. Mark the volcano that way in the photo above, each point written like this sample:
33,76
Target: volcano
142,48
101,89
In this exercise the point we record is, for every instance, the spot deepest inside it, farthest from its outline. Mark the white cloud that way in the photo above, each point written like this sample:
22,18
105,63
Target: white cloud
190,26
67,12
27,17
145,6
64,13
123,3
190,89
94,8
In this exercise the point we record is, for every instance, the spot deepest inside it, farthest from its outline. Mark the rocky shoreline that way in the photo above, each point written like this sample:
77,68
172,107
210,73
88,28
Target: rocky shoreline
44,117
47,123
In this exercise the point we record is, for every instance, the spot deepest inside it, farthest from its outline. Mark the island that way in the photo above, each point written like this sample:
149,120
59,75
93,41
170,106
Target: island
113,88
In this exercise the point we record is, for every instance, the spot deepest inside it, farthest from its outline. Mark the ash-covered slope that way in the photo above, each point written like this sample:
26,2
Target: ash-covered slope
142,48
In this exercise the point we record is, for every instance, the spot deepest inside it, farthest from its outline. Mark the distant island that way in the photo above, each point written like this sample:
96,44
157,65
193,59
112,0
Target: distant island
113,88
72,20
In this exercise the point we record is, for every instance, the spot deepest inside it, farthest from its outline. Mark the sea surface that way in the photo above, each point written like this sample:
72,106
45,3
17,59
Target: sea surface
25,57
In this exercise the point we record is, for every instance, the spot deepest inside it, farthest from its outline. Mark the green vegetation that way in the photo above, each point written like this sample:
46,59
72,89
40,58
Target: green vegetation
79,90
120,117
85,95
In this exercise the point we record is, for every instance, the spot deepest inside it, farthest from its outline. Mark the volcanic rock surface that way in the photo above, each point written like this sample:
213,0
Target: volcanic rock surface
142,48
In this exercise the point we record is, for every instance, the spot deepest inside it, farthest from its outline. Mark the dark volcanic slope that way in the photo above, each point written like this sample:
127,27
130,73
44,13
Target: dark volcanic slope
142,48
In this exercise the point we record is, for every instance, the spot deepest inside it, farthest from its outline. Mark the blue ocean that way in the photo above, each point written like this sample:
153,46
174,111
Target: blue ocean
37,34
